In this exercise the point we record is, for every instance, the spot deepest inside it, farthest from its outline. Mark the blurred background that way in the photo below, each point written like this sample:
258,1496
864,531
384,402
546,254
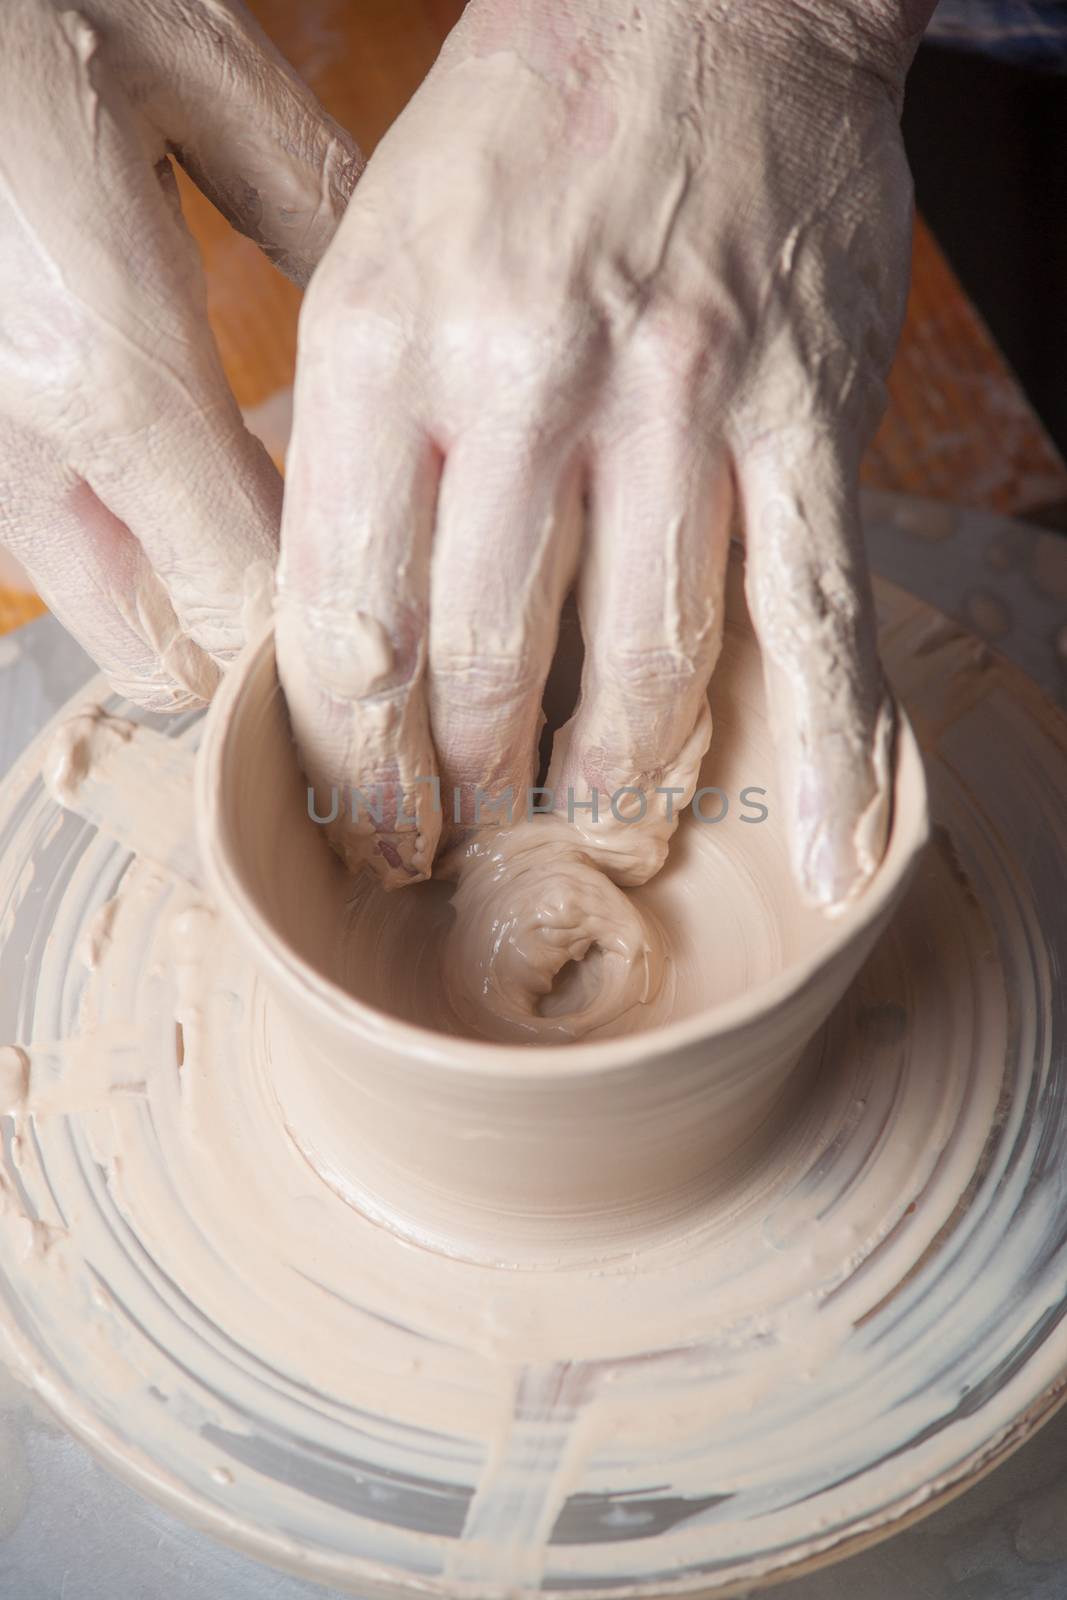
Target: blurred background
985,124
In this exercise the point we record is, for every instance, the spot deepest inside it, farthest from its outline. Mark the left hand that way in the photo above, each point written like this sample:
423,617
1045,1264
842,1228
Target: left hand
129,485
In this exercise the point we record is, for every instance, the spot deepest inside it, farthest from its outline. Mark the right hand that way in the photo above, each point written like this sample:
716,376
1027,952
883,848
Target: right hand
131,490
644,255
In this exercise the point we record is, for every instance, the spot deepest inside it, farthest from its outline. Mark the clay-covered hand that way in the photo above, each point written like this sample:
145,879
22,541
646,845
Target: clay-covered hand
130,487
617,258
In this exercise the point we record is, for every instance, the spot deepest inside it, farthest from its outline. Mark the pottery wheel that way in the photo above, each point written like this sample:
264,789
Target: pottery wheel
895,1304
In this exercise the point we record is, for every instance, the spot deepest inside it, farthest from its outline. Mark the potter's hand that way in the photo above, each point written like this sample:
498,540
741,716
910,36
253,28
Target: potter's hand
638,251
131,489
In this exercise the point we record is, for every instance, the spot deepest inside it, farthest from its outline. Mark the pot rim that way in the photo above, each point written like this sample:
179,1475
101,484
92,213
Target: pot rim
909,831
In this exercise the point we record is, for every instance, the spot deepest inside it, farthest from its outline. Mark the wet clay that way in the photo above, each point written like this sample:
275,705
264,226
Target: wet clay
412,1038
551,930
324,1302
428,1046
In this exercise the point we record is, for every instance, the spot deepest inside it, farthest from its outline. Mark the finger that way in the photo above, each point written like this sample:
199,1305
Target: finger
97,580
353,601
505,550
246,128
809,596
651,601
201,496
134,387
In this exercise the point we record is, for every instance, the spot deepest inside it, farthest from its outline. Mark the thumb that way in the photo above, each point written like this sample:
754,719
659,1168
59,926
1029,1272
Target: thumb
244,125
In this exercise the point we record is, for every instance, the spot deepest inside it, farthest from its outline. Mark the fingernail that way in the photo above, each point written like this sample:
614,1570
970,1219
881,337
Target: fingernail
397,857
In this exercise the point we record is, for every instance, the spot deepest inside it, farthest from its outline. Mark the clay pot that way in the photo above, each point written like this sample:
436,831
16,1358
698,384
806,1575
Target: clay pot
519,1152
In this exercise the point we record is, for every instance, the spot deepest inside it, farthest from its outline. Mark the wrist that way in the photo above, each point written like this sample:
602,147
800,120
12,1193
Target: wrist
876,37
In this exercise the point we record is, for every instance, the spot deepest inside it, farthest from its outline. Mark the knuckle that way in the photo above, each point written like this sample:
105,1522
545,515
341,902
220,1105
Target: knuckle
354,653
791,465
214,624
527,364
485,682
820,608
651,674
685,355
673,345
353,328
